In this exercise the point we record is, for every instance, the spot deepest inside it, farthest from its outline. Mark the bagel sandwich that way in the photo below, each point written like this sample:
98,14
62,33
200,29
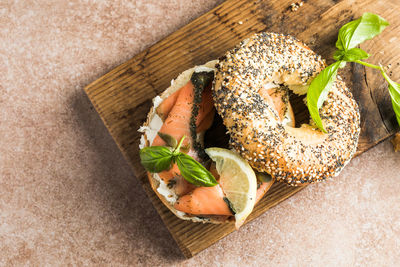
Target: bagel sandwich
250,92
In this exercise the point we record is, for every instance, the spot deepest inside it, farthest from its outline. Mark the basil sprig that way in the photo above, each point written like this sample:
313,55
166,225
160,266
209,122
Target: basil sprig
160,158
350,35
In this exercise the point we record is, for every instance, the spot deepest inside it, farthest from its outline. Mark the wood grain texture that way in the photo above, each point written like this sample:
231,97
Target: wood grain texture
123,96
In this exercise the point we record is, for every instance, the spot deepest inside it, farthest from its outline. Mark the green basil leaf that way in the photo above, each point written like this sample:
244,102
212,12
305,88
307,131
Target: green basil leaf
394,91
318,91
156,158
169,139
350,55
357,31
194,172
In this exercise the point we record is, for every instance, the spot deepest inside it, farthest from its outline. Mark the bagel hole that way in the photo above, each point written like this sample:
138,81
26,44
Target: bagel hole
300,110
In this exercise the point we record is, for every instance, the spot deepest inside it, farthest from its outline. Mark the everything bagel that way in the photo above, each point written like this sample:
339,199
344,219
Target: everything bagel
296,156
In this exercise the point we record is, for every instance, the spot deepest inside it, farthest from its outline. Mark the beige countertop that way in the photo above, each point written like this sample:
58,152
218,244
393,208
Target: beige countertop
67,196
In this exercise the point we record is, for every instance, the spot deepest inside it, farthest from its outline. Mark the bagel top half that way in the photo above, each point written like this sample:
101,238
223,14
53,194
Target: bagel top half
296,156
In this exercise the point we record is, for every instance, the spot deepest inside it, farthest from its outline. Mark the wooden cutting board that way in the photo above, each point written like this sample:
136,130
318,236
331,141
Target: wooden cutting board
123,96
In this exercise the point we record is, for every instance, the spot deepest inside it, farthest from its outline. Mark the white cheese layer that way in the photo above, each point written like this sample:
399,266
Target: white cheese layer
163,189
154,126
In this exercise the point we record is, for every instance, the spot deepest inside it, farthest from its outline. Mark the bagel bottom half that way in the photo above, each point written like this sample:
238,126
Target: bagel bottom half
150,129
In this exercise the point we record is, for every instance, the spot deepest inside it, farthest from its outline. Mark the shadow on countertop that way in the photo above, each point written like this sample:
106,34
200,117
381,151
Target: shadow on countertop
122,195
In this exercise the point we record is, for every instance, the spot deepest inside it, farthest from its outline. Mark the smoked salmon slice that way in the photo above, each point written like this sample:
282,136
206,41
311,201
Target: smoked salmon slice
276,98
204,201
206,123
190,203
182,187
205,107
264,187
168,175
177,123
165,107
178,108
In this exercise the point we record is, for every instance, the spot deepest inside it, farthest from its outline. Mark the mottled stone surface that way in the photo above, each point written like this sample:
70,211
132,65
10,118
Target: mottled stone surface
67,196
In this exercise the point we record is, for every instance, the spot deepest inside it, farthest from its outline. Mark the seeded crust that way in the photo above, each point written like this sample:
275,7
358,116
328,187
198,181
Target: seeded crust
296,156
180,81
